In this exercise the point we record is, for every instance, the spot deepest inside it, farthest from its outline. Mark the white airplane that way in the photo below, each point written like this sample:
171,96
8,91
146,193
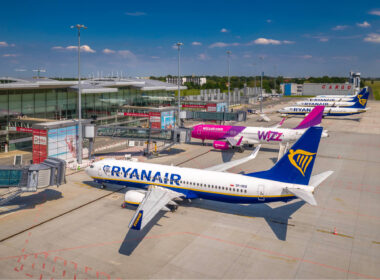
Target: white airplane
343,96
162,185
325,103
227,136
337,98
357,108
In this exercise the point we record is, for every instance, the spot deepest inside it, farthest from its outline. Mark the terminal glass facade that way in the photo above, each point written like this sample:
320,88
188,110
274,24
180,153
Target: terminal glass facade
61,103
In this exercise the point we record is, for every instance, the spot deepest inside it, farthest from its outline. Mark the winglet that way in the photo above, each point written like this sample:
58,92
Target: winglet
280,123
312,119
137,222
238,143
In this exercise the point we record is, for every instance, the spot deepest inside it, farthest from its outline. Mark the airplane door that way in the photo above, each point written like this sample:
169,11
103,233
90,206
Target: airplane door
261,189
99,171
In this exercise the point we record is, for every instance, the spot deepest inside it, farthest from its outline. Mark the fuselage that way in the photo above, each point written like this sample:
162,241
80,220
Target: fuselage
192,183
328,111
332,99
325,103
251,135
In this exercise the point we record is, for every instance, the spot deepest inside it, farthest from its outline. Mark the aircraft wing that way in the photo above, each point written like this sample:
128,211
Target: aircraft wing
230,164
233,142
264,118
279,124
155,200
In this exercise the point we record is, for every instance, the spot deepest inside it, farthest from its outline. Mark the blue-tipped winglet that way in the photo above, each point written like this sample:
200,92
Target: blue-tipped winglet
296,165
137,222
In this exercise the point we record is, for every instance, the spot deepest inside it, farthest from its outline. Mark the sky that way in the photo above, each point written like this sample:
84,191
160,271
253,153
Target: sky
137,38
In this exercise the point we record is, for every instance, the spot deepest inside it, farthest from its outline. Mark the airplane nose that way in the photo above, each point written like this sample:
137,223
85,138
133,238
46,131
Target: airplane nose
89,170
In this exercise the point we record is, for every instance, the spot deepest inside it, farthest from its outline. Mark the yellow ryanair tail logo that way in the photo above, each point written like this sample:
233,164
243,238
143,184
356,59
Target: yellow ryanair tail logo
362,101
300,159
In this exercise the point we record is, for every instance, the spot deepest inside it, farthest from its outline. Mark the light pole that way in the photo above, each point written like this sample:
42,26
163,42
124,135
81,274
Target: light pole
79,150
261,86
228,83
179,44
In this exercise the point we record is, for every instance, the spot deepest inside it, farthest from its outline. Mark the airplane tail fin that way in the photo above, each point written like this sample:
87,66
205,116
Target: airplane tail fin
297,164
362,99
354,99
312,119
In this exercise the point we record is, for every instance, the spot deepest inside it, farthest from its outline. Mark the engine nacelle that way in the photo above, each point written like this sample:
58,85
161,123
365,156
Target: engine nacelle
134,197
220,145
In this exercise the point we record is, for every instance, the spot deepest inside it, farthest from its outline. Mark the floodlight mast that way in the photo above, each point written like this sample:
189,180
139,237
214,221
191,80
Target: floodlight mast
179,44
229,94
80,138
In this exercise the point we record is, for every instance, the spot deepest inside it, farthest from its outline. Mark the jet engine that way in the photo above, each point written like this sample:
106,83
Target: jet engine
133,197
220,145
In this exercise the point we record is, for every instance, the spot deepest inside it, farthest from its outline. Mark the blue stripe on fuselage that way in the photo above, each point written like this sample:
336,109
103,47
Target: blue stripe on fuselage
190,193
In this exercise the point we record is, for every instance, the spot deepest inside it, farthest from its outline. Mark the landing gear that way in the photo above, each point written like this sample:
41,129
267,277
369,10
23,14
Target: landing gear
123,205
251,145
203,142
240,149
173,208
103,186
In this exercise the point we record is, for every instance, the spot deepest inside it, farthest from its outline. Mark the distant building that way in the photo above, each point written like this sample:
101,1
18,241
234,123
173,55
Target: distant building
323,88
189,79
291,89
328,89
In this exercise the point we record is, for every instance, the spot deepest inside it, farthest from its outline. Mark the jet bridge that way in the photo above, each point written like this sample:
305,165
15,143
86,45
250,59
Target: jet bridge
19,179
182,135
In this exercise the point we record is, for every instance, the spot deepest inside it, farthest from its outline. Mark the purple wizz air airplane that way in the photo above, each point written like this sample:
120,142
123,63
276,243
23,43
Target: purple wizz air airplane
226,136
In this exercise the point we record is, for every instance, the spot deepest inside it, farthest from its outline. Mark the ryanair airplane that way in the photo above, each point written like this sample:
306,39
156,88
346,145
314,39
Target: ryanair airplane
161,185
358,107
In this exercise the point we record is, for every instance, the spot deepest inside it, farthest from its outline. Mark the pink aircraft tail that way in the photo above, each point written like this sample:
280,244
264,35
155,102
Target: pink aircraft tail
312,119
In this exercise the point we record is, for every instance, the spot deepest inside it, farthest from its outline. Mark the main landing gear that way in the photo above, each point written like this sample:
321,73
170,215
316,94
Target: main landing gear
173,208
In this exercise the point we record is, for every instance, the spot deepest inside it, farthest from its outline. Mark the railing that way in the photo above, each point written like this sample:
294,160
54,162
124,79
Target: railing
135,133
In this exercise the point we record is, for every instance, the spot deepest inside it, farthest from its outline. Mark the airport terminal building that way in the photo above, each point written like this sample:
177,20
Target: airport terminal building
24,103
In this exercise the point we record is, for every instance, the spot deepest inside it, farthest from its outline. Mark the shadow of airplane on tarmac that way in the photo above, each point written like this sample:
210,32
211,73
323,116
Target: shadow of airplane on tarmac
276,218
134,237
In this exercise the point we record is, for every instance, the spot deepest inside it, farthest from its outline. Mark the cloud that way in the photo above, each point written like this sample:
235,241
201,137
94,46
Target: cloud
127,54
84,48
372,38
135,14
268,20
155,57
323,39
286,42
375,12
264,41
196,43
306,56
10,55
108,51
348,58
339,27
4,44
365,24
223,45
203,56
224,30
20,70
247,56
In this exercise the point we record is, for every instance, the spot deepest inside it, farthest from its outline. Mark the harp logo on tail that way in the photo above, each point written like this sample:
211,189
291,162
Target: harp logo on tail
300,159
361,100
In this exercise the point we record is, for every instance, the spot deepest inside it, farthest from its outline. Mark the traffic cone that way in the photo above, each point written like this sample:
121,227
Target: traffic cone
335,232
